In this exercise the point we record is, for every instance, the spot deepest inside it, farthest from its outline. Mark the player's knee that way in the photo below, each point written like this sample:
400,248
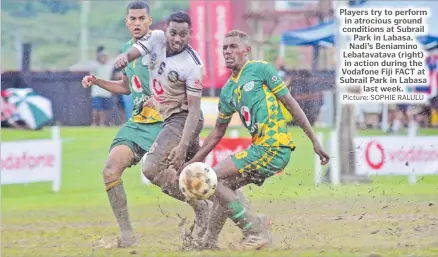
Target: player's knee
150,171
111,172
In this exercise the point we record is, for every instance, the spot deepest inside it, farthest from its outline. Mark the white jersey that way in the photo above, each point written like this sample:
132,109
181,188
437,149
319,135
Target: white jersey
172,77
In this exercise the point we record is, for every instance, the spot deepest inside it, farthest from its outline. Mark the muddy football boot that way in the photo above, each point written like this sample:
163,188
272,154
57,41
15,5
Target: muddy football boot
259,236
192,238
115,243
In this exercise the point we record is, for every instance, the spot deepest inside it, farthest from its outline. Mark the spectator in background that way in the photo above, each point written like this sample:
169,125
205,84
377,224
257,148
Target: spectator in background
101,98
407,116
282,72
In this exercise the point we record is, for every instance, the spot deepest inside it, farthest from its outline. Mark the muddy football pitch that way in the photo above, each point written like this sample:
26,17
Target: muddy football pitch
387,217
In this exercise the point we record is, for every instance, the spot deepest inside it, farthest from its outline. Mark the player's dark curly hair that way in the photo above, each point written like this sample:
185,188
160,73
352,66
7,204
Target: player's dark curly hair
180,17
138,5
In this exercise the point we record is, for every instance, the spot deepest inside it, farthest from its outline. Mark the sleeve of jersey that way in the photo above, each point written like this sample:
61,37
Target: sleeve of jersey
194,81
225,112
146,43
273,80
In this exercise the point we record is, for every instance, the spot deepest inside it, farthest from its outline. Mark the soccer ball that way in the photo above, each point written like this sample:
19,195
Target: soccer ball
198,181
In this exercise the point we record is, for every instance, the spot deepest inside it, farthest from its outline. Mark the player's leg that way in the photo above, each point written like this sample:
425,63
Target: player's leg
101,118
217,219
123,154
400,118
121,108
96,106
104,113
156,164
251,166
252,226
121,157
201,214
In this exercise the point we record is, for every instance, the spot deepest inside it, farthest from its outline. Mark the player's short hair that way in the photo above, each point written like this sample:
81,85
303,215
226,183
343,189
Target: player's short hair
100,49
136,5
238,33
180,17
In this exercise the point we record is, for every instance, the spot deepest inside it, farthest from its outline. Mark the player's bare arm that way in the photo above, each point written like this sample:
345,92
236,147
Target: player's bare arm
294,108
113,86
123,59
178,154
141,48
210,142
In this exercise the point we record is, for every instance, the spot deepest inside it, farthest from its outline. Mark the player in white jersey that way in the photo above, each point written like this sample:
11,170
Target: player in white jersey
176,74
175,78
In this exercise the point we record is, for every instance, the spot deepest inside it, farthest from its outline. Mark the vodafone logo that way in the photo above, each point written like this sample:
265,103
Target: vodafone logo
27,161
246,115
158,89
374,155
396,155
136,84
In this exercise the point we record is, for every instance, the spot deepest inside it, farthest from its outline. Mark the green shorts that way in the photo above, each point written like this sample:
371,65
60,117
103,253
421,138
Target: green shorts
260,162
139,137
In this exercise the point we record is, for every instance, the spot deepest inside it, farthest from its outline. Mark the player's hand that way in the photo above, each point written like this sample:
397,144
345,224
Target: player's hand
323,156
121,61
88,81
177,156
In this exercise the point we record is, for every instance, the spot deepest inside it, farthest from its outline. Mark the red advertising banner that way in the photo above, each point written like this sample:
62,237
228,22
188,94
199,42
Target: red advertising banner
227,147
220,22
198,14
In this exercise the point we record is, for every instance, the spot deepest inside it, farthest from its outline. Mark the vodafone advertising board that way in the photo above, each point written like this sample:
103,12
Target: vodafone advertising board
212,20
396,155
31,161
225,148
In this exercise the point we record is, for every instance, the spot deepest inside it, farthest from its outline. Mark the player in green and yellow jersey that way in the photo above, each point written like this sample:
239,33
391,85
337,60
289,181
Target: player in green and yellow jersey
256,92
138,134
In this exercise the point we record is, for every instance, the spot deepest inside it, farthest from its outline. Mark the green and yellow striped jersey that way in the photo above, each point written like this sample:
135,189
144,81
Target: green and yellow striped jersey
254,95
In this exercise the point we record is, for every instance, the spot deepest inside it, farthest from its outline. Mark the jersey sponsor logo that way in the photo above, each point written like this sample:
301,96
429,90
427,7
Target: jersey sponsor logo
136,84
246,115
173,76
274,78
254,128
158,91
248,86
160,99
139,101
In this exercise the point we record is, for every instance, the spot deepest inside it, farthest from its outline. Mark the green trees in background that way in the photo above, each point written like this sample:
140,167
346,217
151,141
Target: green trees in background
31,8
53,28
